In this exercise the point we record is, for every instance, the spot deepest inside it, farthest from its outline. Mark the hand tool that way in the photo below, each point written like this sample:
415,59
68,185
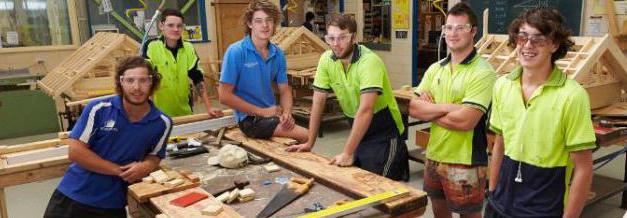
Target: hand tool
295,188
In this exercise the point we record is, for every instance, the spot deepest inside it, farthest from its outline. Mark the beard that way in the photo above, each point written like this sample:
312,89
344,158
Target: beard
346,53
134,102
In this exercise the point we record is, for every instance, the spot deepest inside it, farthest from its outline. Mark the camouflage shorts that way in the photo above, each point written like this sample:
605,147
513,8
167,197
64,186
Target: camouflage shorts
462,186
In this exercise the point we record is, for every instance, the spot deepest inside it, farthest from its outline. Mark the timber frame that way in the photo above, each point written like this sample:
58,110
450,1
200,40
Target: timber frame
597,63
302,50
88,72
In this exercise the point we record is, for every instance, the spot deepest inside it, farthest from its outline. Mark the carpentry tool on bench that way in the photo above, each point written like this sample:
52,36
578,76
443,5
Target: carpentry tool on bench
355,206
296,187
240,184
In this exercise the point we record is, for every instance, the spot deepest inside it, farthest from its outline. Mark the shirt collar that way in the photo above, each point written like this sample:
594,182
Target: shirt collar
466,60
557,77
354,58
152,115
248,44
179,43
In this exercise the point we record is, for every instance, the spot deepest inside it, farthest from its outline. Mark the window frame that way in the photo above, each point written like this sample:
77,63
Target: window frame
74,34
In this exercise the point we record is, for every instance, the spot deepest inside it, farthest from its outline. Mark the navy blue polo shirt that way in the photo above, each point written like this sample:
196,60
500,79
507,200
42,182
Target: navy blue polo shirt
106,129
252,76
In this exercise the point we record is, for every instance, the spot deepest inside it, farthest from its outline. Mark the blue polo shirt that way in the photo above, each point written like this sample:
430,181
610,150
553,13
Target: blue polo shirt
252,76
105,128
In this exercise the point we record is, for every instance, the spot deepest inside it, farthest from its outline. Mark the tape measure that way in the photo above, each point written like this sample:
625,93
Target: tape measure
354,206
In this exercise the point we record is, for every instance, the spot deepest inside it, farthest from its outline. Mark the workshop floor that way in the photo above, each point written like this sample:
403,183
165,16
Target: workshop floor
30,200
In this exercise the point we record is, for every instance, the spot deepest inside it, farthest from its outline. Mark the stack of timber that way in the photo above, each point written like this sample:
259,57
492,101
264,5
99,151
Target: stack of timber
597,63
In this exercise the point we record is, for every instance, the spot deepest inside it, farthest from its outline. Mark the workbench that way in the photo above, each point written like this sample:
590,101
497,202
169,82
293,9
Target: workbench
327,189
28,171
216,178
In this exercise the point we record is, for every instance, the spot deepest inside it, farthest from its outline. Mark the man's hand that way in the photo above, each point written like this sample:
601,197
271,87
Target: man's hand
134,171
269,112
426,96
287,121
342,160
304,147
215,112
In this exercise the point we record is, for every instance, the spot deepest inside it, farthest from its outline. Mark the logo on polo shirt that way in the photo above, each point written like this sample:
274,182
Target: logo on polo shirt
109,126
250,64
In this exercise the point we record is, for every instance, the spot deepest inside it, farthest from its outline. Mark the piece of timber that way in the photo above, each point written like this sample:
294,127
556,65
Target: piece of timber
34,155
142,191
197,117
618,109
29,146
349,180
33,171
199,126
162,203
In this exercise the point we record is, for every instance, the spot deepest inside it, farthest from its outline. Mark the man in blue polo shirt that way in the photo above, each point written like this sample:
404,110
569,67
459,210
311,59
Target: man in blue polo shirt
249,68
116,141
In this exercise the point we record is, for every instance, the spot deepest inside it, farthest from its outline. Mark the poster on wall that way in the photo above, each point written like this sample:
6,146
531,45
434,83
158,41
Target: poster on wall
192,33
400,14
13,38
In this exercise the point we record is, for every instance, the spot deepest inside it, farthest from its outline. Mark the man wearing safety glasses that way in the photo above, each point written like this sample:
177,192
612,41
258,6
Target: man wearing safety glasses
359,80
177,62
116,141
455,95
543,127
250,68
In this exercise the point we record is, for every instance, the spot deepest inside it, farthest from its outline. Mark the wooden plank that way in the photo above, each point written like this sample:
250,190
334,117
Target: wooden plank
34,155
618,109
29,176
142,191
197,117
29,146
38,164
163,204
302,61
603,95
284,140
86,101
350,180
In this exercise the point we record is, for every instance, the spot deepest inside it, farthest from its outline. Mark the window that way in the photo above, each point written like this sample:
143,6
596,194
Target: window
132,18
377,24
25,23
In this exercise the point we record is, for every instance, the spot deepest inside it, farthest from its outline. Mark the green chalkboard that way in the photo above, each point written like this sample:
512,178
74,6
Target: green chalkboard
503,12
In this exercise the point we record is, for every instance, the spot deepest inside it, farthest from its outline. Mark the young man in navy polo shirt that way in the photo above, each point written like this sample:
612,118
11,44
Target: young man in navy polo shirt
249,68
116,141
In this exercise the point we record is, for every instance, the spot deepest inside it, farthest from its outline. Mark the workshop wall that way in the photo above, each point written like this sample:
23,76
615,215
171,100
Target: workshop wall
398,58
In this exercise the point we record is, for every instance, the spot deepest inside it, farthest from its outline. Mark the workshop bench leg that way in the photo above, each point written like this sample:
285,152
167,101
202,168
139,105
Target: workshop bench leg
3,204
623,202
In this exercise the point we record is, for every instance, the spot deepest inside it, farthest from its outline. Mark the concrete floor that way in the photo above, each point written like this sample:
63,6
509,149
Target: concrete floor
30,200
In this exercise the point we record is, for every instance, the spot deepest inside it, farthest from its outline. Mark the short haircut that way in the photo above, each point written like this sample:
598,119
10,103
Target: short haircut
550,23
260,5
463,8
343,21
171,12
131,62
309,16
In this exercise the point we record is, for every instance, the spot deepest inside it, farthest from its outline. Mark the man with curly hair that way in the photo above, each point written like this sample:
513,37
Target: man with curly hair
543,127
117,141
251,66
